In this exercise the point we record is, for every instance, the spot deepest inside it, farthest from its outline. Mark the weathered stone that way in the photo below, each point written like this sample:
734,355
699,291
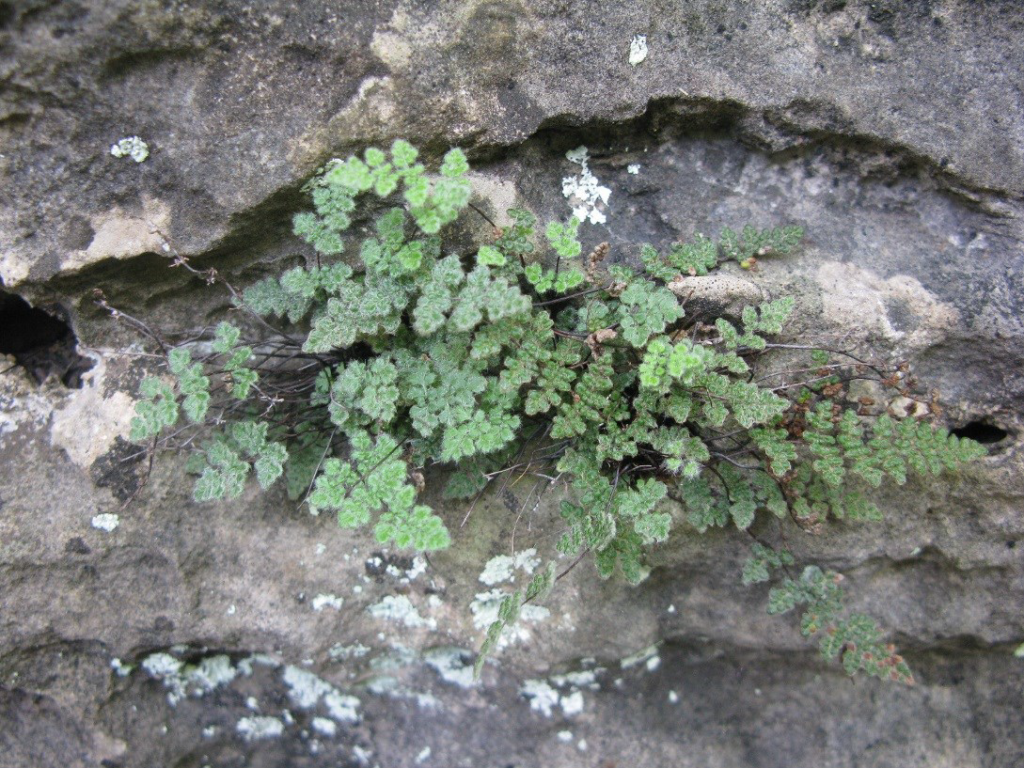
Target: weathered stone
890,131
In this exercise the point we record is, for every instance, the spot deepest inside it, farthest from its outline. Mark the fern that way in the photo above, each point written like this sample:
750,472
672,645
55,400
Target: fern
518,354
856,639
539,588
156,412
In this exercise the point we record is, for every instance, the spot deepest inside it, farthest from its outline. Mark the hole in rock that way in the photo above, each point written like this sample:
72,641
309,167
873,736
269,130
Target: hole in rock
981,432
42,343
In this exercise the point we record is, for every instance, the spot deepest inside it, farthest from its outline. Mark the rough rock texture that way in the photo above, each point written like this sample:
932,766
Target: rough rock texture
893,131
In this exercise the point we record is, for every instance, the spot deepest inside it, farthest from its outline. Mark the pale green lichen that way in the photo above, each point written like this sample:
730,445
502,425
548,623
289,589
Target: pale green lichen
131,146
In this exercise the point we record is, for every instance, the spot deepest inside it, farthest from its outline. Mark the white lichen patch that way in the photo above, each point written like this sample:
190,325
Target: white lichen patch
419,567
131,146
399,608
423,755
637,50
564,736
212,672
181,679
633,169
452,664
161,665
306,689
388,685
485,612
107,521
167,669
120,668
586,678
339,652
673,697
571,700
343,708
245,666
253,728
503,567
543,698
586,196
572,704
397,657
324,726
322,601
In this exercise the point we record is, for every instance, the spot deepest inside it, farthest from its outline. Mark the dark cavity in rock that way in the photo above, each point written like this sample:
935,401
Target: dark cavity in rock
41,342
982,432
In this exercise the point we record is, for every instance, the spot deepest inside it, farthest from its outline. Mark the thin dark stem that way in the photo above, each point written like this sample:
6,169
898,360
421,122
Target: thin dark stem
309,488
828,349
117,314
735,463
569,334
485,216
571,296
211,275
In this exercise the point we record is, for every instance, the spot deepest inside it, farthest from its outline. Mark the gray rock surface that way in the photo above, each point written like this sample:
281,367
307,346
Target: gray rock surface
892,131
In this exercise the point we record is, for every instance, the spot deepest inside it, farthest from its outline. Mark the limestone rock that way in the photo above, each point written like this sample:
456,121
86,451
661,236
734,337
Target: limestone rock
890,131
